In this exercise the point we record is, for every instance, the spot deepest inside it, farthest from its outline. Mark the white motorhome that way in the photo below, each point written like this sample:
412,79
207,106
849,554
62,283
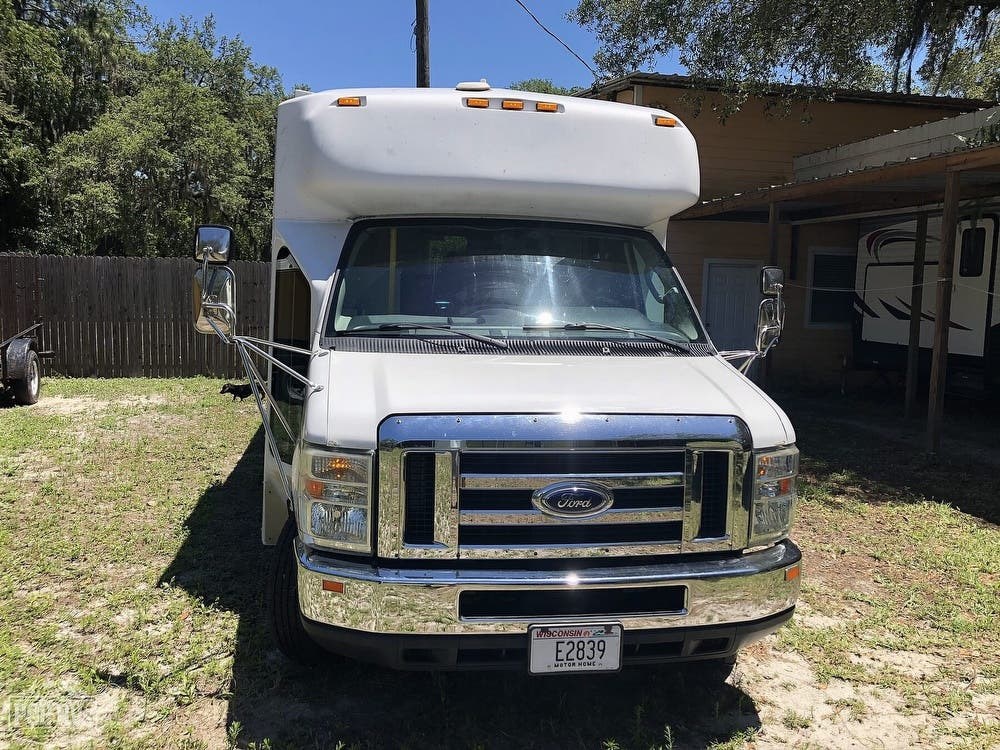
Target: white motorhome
885,297
498,434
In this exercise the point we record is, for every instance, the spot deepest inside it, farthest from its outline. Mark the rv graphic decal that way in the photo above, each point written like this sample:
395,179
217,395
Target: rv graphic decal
905,314
882,238
884,303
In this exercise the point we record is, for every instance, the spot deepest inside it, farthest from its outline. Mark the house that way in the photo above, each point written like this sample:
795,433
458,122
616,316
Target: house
799,189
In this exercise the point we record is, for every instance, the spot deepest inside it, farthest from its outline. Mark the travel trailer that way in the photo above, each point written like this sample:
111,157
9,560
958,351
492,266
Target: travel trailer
498,435
885,295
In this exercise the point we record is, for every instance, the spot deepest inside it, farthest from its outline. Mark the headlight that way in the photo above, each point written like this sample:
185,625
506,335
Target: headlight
774,495
333,498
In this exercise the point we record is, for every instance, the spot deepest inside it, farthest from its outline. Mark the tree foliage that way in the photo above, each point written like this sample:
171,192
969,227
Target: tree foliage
974,69
752,43
543,86
118,135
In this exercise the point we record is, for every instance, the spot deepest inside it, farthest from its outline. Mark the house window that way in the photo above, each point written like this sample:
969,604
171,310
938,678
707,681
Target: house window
973,249
830,271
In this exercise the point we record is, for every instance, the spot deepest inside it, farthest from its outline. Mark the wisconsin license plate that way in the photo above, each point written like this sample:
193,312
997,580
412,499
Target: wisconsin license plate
574,648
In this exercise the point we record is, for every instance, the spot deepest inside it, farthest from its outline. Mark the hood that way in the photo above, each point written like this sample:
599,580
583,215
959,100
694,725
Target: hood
362,389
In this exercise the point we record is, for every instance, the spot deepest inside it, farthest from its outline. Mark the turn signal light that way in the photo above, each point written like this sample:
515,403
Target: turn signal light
793,572
546,107
478,103
349,101
512,104
666,122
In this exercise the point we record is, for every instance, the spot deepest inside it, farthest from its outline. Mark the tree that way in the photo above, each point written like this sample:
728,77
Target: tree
747,45
60,65
543,86
193,144
974,70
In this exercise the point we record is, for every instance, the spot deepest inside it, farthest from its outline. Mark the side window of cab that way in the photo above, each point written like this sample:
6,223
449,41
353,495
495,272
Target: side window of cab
291,326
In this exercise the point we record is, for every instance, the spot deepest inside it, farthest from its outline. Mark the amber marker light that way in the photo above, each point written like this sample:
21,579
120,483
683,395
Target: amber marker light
334,587
665,122
349,101
793,572
477,103
546,107
315,488
512,104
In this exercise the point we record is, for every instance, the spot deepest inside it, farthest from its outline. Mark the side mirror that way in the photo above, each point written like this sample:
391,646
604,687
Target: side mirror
772,279
213,293
770,322
213,243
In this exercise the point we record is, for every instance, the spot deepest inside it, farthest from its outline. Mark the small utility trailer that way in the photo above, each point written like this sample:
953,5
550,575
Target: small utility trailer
20,372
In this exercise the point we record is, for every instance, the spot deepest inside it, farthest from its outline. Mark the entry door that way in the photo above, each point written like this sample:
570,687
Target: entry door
731,297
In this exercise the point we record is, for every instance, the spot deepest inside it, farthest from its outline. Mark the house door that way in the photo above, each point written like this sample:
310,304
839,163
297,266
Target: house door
731,297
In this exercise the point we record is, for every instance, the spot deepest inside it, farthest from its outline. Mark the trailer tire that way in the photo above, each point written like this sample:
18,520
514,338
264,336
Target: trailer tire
26,389
283,602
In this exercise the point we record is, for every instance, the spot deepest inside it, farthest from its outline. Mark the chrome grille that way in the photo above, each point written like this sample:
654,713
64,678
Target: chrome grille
496,512
461,486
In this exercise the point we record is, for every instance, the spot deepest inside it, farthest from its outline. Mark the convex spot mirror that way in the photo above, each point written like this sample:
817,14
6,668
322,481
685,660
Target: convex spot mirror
772,279
214,300
213,243
770,321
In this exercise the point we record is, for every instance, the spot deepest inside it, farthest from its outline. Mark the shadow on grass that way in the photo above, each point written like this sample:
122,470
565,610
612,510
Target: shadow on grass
362,706
849,443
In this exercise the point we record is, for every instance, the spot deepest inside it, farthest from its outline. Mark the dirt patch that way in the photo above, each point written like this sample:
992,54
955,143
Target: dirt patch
796,711
70,405
910,663
156,424
33,466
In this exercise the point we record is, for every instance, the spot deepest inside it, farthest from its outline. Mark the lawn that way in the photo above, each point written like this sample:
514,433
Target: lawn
131,610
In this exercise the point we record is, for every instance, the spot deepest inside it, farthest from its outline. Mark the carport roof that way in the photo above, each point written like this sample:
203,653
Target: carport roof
914,183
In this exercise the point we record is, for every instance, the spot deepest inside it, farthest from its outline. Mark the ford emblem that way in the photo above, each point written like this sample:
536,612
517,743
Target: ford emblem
572,499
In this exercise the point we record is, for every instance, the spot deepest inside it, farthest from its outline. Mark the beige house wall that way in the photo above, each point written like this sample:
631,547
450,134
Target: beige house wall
808,355
811,355
753,148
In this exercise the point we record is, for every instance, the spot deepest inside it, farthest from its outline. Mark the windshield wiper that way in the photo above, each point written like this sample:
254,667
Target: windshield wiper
426,327
677,346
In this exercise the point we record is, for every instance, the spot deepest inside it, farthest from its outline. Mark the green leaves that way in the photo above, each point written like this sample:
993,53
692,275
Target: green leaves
748,44
112,145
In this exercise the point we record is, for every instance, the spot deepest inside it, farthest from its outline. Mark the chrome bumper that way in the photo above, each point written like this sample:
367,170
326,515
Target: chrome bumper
719,591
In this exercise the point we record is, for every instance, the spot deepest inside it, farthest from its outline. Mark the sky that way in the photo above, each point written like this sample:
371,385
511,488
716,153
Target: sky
347,43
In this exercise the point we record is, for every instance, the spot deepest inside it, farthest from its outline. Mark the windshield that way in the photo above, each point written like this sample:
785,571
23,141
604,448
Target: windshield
508,279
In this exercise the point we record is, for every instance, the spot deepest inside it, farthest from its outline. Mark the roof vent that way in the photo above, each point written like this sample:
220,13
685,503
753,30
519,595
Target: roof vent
480,85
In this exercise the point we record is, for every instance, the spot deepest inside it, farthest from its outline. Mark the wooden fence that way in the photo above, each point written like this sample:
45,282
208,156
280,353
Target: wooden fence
124,317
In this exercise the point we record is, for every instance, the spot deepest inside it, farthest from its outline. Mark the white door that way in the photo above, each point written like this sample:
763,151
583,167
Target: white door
731,297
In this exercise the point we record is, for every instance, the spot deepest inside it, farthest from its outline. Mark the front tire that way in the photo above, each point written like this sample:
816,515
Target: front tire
26,389
283,602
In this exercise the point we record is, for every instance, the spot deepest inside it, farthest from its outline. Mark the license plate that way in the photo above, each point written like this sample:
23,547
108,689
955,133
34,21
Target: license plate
574,648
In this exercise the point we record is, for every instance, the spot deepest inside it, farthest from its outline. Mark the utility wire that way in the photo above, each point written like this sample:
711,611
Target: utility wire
551,34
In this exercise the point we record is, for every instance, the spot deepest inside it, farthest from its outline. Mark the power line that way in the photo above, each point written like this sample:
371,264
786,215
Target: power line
551,34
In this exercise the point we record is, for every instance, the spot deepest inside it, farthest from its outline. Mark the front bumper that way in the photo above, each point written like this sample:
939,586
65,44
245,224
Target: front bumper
737,597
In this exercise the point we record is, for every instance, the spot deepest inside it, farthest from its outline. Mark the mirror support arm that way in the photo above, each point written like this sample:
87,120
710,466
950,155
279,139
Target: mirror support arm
272,444
245,343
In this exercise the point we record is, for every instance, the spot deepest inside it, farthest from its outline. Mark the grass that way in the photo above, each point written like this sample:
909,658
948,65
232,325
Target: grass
131,612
